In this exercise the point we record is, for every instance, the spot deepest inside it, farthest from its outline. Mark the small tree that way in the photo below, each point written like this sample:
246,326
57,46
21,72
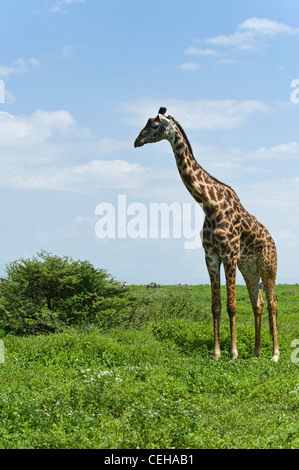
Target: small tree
46,292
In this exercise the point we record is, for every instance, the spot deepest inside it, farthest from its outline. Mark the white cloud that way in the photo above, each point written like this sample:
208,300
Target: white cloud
33,138
20,65
235,163
57,7
94,176
252,33
35,149
199,51
227,61
25,130
9,97
289,151
67,52
267,27
283,152
199,114
190,66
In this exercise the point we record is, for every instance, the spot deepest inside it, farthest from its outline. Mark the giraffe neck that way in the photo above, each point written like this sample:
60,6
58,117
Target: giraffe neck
201,185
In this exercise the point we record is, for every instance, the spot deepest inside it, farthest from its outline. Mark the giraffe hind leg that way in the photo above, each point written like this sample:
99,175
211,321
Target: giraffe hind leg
268,268
252,280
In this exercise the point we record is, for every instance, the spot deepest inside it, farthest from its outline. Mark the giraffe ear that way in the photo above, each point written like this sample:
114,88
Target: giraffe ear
163,119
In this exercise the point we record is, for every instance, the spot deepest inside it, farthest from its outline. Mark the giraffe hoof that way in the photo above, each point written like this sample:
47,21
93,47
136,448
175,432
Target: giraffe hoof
234,354
216,355
275,358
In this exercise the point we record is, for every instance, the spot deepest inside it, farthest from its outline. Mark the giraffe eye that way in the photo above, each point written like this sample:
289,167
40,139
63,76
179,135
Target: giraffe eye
155,126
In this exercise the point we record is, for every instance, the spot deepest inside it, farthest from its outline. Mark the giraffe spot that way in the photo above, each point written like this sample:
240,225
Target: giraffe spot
250,239
208,244
208,210
180,146
219,218
197,198
212,194
223,205
245,224
180,160
199,175
219,235
188,178
228,213
224,225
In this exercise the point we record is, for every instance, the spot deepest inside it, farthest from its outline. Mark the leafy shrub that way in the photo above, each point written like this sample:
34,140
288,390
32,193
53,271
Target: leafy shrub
47,292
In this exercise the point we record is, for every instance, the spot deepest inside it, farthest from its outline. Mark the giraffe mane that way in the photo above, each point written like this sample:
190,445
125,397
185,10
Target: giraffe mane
183,134
191,152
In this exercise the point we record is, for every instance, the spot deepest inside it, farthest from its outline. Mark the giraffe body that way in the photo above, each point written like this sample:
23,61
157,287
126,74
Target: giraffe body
231,236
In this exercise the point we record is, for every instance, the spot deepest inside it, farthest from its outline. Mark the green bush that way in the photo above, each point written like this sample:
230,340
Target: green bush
47,292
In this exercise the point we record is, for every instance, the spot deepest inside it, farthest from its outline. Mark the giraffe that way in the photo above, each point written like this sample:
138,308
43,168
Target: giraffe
230,236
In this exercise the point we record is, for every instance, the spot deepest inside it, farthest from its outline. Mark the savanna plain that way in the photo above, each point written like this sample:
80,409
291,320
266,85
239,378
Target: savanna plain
147,379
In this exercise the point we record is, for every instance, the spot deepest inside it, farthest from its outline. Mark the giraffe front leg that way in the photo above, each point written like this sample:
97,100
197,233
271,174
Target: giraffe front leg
213,265
230,268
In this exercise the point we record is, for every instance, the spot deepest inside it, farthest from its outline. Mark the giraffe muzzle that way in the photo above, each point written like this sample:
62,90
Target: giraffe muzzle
138,142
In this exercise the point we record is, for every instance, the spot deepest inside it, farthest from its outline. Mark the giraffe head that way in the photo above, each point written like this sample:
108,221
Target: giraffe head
156,129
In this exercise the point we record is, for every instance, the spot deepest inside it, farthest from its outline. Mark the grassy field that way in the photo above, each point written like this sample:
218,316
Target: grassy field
153,383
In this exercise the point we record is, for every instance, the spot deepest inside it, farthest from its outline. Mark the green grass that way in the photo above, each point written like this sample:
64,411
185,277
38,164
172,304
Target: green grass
154,384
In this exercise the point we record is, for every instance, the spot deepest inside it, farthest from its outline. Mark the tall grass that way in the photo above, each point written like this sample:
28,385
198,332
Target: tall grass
152,382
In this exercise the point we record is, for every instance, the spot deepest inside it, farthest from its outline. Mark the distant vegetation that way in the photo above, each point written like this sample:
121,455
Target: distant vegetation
91,365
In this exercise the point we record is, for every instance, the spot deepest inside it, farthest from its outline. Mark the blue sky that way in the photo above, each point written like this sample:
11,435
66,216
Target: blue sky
81,79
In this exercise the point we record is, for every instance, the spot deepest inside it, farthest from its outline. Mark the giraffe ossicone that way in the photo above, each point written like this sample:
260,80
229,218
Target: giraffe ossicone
231,236
162,110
